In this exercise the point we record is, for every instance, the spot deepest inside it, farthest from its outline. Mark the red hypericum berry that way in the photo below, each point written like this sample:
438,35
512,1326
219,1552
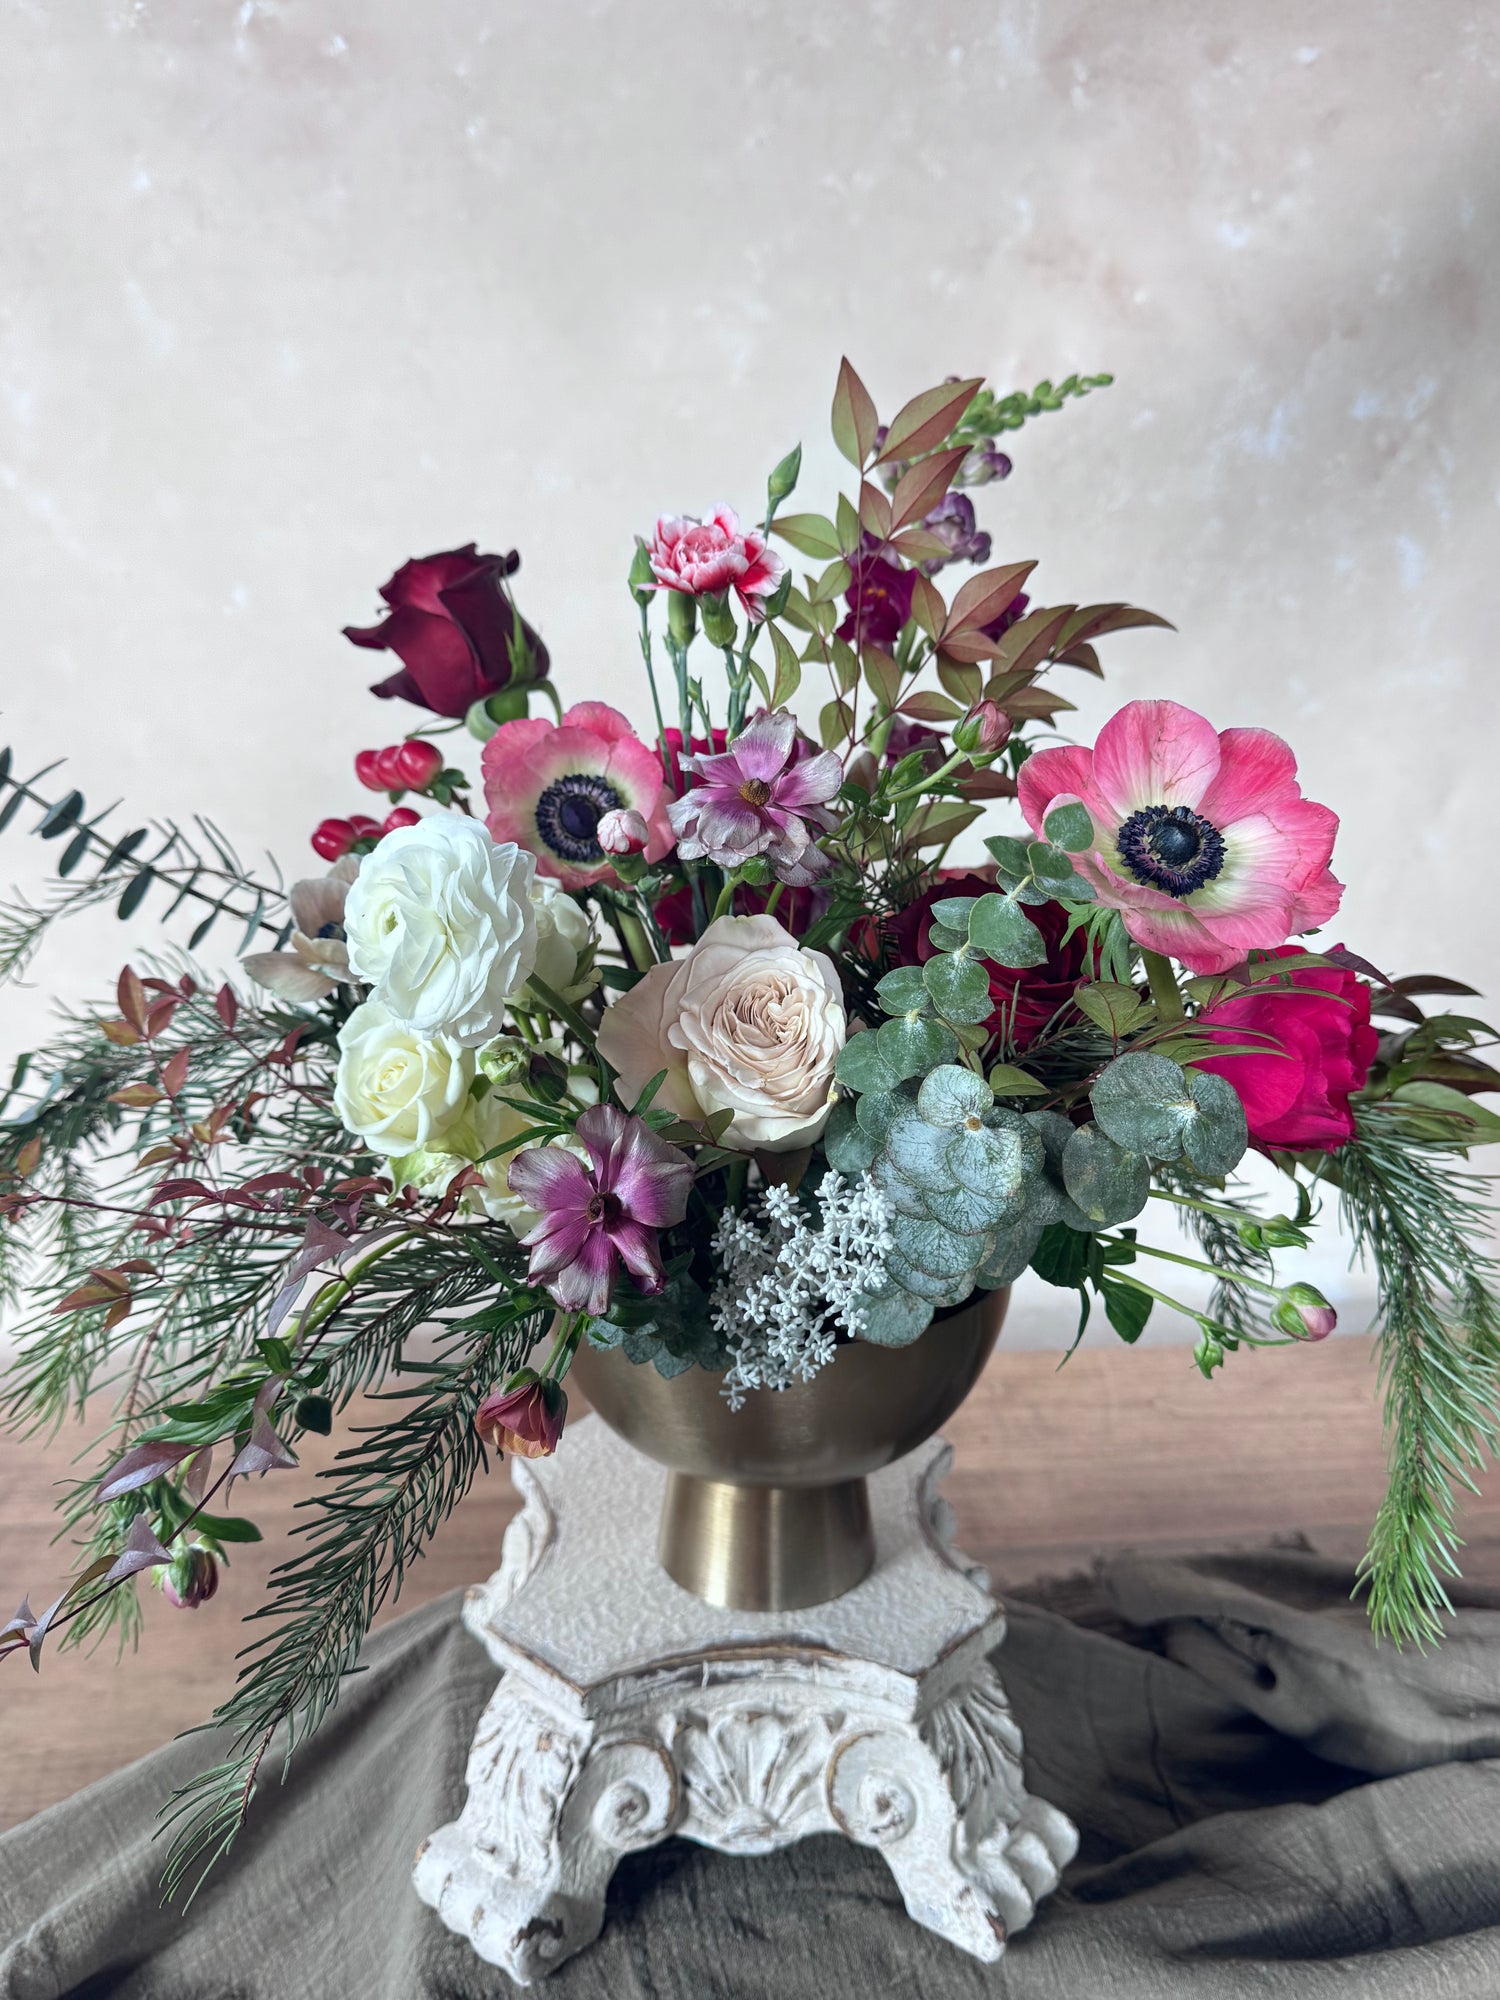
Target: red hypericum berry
364,769
383,764
332,838
416,763
363,827
402,816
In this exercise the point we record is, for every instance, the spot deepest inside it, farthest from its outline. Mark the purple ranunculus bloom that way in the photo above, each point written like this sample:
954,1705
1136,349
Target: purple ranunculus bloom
763,795
952,521
879,600
598,1214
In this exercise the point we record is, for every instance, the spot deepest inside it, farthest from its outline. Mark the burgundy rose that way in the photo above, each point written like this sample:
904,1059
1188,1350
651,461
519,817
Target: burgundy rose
797,909
1319,1045
452,626
1025,999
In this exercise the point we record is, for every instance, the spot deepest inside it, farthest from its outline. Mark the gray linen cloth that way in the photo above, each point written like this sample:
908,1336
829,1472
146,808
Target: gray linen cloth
1271,1805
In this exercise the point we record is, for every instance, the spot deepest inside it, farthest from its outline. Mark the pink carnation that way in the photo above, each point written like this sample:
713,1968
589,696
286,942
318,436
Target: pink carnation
705,558
549,784
1202,839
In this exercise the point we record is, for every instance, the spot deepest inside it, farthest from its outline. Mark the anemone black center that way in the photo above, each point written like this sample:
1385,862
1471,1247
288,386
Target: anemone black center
1171,848
569,811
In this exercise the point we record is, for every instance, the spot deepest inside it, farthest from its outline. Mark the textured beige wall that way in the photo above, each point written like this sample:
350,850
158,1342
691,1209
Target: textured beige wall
291,291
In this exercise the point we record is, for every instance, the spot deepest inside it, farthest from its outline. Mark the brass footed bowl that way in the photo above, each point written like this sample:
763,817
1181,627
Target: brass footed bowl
766,1508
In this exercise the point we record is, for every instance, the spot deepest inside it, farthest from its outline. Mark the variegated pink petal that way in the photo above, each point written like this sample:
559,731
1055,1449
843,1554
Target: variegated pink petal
1154,753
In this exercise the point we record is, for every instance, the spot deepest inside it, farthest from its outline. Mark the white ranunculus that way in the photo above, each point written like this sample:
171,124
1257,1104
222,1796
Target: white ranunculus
440,924
749,1022
397,1090
564,941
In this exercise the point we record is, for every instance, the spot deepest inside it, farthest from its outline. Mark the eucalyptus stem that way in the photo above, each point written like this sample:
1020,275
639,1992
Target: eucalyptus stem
1164,988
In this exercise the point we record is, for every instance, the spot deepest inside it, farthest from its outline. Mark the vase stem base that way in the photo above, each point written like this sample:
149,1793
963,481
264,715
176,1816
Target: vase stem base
765,1548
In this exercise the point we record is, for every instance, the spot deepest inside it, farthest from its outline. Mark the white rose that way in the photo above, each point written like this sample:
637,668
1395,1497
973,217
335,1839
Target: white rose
564,940
399,1091
747,1022
440,923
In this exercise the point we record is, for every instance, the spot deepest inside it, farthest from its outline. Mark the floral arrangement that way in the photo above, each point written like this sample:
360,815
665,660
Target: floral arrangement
683,1037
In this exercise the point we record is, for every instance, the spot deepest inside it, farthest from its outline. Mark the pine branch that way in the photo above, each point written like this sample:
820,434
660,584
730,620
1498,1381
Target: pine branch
1419,1215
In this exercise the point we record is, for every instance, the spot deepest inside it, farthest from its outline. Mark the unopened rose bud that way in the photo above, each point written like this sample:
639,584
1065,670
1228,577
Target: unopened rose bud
332,838
524,1418
416,763
622,831
982,731
1304,1313
365,769
191,1578
402,816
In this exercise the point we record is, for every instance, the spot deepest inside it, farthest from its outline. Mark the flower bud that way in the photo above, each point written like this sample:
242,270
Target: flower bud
682,616
365,770
622,831
402,816
756,872
524,1418
718,620
332,838
642,576
784,476
982,731
416,763
505,1060
191,1578
1304,1313
985,462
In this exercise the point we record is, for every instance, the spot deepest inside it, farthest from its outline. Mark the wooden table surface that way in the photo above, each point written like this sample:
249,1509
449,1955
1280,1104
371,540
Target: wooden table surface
1117,1449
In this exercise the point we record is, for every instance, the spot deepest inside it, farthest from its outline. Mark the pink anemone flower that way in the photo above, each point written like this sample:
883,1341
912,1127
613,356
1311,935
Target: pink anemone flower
704,558
548,785
1202,838
602,1213
760,797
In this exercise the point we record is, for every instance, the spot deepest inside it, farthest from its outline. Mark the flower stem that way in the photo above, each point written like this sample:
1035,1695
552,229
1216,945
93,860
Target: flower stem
725,901
555,1004
564,1347
1164,988
661,727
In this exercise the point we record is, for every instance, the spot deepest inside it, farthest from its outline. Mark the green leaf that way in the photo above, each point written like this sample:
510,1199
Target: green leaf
941,938
1071,826
135,890
58,818
811,534
1141,1101
1049,864
315,1413
854,420
894,1317
850,1149
1002,931
1215,1140
1108,1182
960,986
1110,1006
1126,1309
1435,1111
862,1067
952,1095
1011,854
1008,1081
1063,1257
904,991
226,1528
954,912
788,668
912,1048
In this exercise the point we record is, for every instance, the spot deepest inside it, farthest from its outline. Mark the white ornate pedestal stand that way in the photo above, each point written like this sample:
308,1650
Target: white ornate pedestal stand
631,1710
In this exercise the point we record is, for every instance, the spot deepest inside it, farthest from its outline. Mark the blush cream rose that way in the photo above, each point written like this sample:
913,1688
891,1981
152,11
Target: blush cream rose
749,1022
440,923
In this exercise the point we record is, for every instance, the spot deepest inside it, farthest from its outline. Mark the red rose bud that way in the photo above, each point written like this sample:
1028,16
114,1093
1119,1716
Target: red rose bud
191,1579
622,831
383,764
416,764
982,731
525,1418
1304,1313
402,816
332,838
365,770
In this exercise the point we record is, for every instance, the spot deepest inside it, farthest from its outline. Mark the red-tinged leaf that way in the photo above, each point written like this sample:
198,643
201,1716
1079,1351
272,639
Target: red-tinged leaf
155,1156
289,1047
1082,656
141,1551
202,1132
120,1310
920,488
181,1190
927,605
990,784
1092,621
155,985
175,1070
187,986
131,995
263,1452
38,1632
1027,704
854,420
102,1288
918,545
136,1096
1414,982
140,1465
139,1264
227,1006
927,420
962,679
359,1184
810,534
22,1623
120,1033
929,706
883,676
264,1183
874,511
981,600
195,1475
160,1016
1032,639
968,646
319,1246
30,1157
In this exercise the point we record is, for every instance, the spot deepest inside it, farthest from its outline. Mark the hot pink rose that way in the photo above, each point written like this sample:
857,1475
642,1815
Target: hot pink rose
1321,1045
705,558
